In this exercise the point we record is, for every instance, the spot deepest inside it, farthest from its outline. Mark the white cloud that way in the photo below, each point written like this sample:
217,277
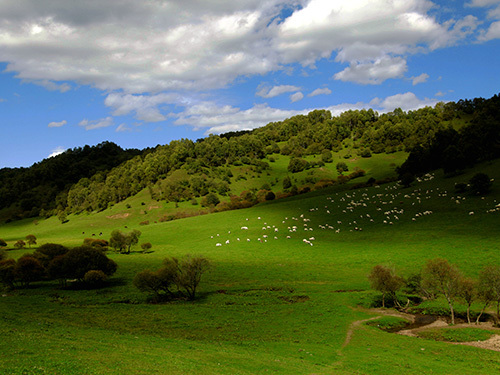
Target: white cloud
96,124
482,3
57,151
373,73
267,92
145,107
138,47
407,101
324,91
296,97
420,79
220,119
123,128
493,32
55,124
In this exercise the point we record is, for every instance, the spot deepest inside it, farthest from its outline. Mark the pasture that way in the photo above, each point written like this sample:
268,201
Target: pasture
289,280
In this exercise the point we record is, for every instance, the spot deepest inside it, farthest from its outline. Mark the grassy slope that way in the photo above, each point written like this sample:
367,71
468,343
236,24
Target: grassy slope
246,321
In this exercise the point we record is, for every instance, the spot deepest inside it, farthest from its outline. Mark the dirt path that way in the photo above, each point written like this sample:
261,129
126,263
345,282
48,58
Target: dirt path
492,343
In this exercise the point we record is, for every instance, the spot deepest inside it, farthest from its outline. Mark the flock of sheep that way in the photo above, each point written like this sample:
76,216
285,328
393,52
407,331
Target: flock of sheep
351,211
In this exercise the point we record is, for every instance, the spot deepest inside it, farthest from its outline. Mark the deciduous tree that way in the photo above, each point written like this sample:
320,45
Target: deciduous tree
385,280
443,278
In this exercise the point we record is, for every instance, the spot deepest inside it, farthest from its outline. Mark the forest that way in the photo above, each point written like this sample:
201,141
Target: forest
451,136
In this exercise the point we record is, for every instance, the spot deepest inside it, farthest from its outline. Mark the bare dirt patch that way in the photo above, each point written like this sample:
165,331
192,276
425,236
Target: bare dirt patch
119,216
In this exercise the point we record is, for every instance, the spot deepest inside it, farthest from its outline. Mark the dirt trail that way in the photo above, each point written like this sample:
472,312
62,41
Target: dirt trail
492,343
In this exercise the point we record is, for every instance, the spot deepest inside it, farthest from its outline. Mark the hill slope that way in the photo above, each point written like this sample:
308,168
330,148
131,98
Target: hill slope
274,304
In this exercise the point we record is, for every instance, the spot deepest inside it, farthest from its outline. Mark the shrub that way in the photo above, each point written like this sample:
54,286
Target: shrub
297,165
7,272
82,259
28,269
342,167
47,252
210,200
94,278
146,246
184,274
3,243
20,244
97,243
270,196
480,184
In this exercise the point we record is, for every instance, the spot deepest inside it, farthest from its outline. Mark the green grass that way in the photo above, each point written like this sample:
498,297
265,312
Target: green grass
389,323
279,305
456,334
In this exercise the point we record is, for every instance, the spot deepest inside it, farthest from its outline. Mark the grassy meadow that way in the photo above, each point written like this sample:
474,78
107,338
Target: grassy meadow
271,304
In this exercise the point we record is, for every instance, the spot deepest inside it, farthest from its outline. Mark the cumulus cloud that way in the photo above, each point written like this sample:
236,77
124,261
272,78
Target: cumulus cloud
217,119
296,97
144,107
57,151
267,92
407,101
96,124
373,73
142,47
420,79
55,124
324,91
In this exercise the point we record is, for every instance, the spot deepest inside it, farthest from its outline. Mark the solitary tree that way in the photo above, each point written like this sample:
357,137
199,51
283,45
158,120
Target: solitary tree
441,277
31,239
118,240
190,271
384,280
132,239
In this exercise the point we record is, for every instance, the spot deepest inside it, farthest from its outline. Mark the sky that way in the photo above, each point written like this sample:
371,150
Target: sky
143,73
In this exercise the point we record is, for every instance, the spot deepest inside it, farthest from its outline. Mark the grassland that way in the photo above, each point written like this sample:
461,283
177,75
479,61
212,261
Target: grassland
270,305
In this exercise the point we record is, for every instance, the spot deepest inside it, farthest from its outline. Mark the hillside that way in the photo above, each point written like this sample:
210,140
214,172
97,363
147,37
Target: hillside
240,169
276,304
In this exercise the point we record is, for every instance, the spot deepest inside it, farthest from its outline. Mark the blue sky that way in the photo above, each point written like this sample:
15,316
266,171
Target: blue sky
142,73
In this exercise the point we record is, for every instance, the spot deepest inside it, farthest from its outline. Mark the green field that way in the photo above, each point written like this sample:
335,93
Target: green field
271,304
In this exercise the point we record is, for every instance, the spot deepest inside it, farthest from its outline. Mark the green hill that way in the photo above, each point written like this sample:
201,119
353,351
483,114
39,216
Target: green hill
271,303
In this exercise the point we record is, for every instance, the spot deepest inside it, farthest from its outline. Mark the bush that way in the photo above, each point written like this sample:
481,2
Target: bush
47,252
184,274
28,269
210,200
82,259
146,246
342,167
7,272
297,165
480,184
94,278
20,244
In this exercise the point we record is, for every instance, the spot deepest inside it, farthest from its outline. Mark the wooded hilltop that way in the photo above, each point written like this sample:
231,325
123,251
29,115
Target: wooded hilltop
451,136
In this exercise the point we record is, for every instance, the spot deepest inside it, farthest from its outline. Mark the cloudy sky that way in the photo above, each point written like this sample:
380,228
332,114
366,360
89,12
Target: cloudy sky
142,73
